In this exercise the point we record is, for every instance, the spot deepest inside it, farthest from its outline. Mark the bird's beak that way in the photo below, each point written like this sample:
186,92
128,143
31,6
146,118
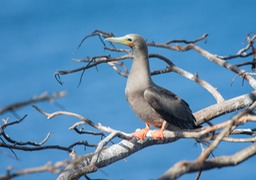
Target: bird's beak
120,40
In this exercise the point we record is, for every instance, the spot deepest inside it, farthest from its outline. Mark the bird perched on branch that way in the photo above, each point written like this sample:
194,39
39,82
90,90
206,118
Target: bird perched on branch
155,105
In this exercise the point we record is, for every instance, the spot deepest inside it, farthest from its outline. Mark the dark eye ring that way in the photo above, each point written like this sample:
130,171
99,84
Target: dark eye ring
129,39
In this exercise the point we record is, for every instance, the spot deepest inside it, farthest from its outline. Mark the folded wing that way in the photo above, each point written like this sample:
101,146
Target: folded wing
170,107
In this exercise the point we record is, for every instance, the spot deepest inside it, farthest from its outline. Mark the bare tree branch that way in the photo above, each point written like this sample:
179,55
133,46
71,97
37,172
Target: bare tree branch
199,162
242,52
49,167
225,64
227,106
108,156
203,37
98,33
12,144
43,97
190,76
183,167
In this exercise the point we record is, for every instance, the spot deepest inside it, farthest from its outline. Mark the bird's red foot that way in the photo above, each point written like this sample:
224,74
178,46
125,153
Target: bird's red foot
141,134
158,134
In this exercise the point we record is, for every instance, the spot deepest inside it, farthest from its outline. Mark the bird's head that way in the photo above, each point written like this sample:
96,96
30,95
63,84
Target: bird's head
131,40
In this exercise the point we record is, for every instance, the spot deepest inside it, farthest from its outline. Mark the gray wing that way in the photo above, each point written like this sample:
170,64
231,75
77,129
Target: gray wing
170,107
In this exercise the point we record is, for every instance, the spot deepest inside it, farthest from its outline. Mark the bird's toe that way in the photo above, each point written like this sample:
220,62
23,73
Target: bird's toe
140,134
158,134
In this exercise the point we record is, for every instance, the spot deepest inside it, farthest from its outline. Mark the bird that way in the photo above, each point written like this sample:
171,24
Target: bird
154,105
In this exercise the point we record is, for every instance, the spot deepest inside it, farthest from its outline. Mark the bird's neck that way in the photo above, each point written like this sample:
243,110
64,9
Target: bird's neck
139,77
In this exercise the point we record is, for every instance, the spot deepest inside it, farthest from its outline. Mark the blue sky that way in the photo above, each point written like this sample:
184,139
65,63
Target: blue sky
39,38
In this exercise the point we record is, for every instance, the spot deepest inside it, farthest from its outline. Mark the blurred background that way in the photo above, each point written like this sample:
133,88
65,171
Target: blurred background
37,38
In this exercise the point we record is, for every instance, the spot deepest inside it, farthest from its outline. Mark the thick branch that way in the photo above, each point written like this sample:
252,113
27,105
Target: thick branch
226,106
108,156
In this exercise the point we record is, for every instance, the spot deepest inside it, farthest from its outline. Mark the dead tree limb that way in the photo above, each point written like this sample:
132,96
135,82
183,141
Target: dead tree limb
183,167
43,97
226,106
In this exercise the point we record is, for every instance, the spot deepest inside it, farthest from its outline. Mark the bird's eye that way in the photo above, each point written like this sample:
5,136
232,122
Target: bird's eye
129,39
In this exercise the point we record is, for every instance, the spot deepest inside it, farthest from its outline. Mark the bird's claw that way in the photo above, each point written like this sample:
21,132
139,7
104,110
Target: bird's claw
158,134
140,134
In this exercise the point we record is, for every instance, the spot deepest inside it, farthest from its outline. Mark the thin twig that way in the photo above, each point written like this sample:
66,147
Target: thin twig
242,52
49,167
116,65
98,33
43,97
203,37
85,121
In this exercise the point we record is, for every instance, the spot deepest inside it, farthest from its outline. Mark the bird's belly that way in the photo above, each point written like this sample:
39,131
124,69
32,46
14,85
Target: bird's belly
144,111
